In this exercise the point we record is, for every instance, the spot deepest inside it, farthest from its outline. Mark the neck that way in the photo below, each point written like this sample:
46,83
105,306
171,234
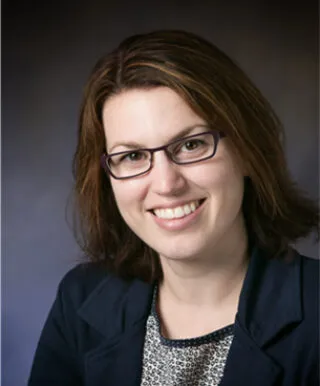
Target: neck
213,279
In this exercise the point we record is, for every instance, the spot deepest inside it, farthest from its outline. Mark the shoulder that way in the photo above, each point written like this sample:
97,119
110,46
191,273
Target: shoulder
304,274
310,274
310,268
81,281
294,270
284,287
84,276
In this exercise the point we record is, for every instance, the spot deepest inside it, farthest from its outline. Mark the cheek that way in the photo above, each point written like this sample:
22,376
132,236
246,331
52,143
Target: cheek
224,184
128,194
231,195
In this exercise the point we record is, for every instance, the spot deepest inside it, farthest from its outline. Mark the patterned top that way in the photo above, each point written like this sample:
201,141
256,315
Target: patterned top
183,362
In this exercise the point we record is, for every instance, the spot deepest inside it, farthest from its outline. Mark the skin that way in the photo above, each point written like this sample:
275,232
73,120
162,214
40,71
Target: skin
204,263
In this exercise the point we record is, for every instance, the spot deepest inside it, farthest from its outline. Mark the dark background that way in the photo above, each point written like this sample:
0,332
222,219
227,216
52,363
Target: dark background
48,49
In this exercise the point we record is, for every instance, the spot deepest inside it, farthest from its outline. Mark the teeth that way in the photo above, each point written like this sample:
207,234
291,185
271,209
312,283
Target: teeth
178,212
187,209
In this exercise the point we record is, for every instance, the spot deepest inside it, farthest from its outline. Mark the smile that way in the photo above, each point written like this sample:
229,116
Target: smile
177,212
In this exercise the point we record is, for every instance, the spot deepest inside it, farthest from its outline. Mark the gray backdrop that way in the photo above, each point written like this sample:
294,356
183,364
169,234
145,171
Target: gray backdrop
48,50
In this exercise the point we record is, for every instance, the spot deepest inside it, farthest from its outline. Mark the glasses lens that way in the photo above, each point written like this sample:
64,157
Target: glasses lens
130,163
193,148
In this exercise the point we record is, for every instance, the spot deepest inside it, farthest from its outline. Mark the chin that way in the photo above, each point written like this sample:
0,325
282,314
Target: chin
185,250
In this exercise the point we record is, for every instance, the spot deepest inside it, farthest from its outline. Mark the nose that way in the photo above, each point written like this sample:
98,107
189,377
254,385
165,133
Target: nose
167,177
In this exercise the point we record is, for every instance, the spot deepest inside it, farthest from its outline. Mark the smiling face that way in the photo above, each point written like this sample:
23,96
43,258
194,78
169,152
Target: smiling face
181,211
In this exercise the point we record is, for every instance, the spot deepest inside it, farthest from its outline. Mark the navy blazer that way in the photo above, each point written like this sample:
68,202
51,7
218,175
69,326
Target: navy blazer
95,331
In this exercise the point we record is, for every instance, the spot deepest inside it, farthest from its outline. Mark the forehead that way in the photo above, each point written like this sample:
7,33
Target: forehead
147,116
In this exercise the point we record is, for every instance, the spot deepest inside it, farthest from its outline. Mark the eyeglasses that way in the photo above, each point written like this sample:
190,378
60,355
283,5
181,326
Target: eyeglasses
184,151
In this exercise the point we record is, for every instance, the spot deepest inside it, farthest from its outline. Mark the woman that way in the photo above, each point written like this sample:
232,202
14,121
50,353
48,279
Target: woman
187,213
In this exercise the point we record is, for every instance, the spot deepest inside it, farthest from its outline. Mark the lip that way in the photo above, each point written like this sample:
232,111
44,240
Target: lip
176,204
178,224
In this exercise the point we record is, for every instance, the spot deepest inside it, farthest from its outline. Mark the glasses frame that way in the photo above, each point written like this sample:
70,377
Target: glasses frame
105,157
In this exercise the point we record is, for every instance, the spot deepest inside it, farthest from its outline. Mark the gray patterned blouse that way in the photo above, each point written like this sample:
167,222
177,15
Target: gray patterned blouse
183,362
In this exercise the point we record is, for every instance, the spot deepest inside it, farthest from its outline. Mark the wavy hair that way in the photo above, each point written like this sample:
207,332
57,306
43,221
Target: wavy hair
277,213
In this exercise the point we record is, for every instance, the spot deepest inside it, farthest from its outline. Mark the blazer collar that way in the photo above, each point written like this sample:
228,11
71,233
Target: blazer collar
271,292
115,305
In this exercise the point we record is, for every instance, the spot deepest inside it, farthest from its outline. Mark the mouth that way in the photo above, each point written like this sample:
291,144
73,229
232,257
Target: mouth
179,211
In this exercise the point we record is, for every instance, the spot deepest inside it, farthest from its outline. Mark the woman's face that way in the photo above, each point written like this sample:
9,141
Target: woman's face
210,190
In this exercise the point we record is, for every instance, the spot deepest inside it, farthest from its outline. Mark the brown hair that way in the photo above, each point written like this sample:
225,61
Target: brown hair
276,212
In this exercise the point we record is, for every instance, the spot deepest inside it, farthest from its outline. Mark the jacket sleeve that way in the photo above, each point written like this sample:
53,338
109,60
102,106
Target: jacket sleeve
56,361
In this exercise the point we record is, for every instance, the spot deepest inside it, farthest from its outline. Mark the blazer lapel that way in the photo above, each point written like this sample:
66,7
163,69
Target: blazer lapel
118,362
118,310
247,364
270,303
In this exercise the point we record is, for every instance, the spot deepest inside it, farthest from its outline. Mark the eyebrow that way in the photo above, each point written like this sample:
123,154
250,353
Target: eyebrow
181,134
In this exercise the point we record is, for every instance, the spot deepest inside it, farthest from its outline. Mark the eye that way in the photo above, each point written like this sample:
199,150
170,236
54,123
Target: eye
191,144
134,156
